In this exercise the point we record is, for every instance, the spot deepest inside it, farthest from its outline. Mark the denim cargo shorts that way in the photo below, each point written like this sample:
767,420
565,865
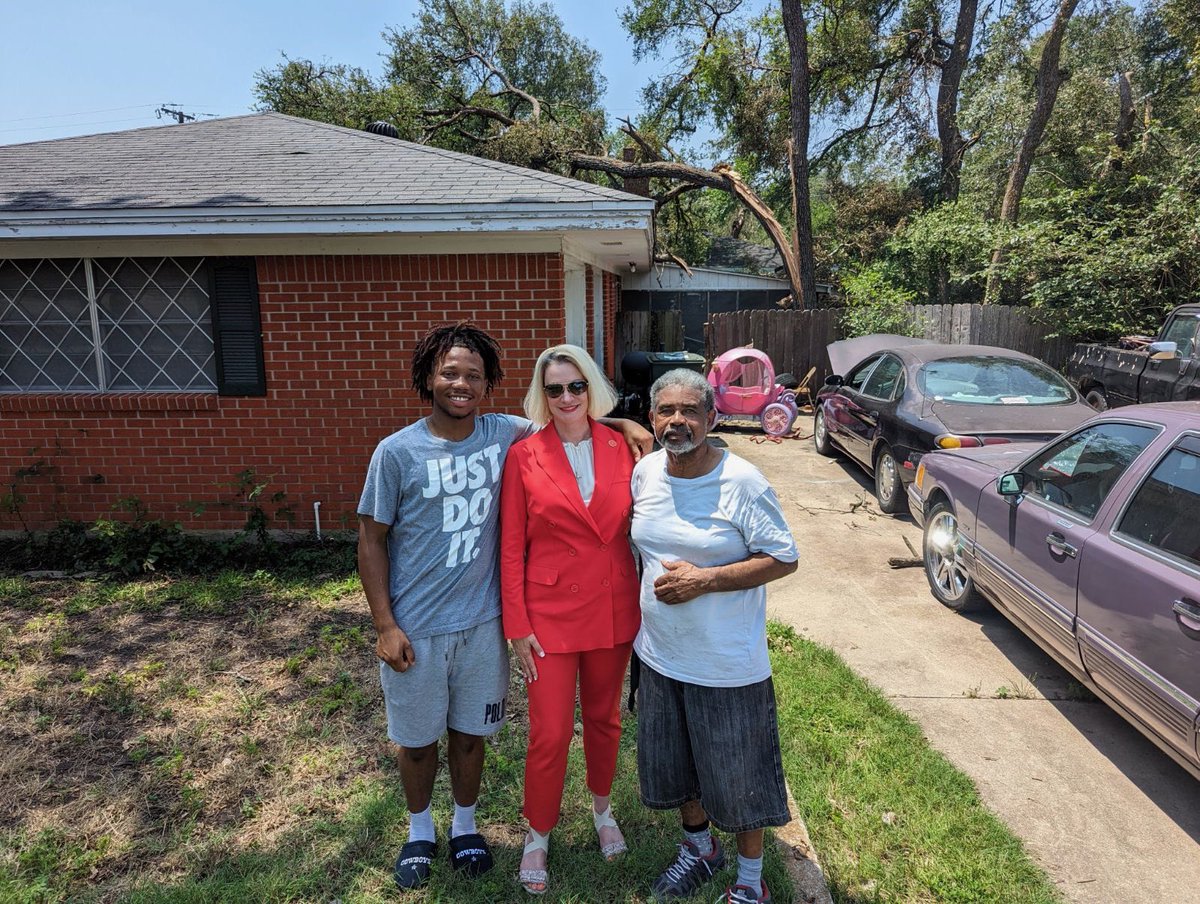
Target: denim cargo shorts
715,745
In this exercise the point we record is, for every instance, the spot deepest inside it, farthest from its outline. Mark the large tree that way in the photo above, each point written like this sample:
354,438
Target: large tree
1049,79
500,80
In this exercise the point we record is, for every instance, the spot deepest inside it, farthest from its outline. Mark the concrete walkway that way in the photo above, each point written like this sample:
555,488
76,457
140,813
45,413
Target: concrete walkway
1109,817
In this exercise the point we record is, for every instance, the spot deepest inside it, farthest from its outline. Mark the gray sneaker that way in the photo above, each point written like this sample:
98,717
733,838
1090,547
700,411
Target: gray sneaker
689,871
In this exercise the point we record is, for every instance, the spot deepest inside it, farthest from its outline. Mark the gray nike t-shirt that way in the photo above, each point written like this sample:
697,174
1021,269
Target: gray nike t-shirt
441,499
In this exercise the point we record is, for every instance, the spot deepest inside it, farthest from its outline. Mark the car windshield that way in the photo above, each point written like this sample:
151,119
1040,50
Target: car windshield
984,380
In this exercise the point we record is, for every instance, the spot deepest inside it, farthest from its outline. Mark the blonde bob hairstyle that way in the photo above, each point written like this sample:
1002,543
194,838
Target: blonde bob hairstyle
602,398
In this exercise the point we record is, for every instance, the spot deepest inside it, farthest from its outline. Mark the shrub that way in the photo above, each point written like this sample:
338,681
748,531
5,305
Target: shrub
875,304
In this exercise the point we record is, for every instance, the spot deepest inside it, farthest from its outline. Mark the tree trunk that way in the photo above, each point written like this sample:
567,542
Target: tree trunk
1049,80
1123,132
949,85
722,177
804,287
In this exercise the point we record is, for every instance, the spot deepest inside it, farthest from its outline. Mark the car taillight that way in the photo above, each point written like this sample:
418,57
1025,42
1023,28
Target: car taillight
954,441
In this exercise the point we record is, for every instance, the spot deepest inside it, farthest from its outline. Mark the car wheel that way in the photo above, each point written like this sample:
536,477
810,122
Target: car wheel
1097,399
941,551
821,439
888,488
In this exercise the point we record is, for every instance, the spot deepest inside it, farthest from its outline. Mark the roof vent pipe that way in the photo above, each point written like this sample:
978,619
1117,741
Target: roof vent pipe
379,127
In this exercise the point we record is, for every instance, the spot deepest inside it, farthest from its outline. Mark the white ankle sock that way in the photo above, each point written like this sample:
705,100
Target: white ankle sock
464,820
420,825
750,873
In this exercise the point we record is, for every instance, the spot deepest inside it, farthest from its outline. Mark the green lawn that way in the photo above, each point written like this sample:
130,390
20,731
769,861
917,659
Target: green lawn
220,739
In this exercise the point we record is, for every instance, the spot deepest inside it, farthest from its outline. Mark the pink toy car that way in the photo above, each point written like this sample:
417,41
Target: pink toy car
743,381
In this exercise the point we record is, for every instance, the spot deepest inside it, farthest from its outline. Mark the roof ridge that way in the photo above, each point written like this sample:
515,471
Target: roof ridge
499,165
163,125
268,159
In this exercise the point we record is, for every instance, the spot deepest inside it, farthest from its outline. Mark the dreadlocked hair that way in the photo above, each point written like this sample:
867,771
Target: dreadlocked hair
438,342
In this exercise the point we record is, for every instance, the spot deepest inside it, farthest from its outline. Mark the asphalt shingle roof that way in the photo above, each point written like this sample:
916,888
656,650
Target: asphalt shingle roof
265,160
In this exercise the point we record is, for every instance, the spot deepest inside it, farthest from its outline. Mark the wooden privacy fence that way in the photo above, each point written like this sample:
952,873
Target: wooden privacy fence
647,331
796,340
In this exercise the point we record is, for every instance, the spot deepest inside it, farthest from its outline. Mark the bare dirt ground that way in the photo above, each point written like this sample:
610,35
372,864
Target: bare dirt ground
1106,814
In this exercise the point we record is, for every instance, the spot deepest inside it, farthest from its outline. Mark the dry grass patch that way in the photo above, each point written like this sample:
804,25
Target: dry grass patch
149,722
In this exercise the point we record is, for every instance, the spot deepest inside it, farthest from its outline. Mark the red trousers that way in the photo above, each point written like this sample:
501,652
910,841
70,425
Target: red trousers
552,725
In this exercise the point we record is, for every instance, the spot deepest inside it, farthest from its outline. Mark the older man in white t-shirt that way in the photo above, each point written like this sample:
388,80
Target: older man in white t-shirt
711,535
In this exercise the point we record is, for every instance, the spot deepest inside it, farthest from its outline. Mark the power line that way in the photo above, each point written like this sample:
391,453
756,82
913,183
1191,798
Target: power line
79,113
73,125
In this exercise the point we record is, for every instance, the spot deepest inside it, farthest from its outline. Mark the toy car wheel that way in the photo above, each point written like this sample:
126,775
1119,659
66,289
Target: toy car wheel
888,488
821,441
777,419
941,551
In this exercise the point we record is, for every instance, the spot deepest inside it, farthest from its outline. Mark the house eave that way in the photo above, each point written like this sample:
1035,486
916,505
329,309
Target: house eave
614,233
324,220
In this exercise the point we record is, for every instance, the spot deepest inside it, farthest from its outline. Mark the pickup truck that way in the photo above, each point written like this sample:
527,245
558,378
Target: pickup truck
1168,370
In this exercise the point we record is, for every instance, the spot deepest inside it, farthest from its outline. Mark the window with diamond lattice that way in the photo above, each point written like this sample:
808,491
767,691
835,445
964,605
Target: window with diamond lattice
116,324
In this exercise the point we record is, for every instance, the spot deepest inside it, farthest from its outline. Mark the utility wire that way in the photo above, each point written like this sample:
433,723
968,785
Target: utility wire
72,125
80,113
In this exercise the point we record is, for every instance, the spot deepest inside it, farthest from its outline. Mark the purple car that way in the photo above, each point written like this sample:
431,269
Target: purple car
1091,546
891,399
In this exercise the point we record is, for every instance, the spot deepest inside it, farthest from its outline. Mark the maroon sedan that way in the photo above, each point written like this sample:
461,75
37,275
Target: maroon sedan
1091,546
891,399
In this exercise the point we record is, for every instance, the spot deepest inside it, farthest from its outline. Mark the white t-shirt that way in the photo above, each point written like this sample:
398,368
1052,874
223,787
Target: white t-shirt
719,639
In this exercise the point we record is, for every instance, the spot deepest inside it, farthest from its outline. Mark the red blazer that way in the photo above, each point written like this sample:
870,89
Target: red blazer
566,569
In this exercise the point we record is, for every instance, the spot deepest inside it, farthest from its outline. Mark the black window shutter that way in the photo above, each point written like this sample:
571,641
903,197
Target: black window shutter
237,329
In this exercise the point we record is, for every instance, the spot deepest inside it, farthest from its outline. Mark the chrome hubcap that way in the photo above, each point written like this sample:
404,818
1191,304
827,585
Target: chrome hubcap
886,472
819,429
943,555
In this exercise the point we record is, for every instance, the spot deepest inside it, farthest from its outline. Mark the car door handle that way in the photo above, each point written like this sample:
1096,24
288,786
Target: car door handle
1059,544
1188,614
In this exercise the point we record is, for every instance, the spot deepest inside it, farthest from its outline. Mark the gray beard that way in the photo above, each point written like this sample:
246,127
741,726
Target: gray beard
679,446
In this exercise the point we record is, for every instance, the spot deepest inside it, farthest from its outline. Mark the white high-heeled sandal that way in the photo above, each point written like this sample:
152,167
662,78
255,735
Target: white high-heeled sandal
613,849
531,879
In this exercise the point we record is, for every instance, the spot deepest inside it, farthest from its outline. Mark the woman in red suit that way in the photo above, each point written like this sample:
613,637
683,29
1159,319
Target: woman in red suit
569,590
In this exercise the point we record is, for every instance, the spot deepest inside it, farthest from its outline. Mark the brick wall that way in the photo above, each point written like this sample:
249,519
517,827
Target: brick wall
338,333
612,301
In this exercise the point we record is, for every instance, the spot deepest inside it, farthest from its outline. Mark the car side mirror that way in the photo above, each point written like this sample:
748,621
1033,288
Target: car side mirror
1163,350
834,380
1009,484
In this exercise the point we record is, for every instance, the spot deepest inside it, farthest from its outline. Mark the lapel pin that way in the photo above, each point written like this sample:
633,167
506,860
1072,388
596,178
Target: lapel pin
612,442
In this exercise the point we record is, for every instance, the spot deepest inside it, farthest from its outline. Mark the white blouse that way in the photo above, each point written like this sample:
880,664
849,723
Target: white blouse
579,455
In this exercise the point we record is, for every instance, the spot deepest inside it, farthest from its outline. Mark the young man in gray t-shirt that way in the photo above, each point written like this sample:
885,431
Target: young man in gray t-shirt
427,555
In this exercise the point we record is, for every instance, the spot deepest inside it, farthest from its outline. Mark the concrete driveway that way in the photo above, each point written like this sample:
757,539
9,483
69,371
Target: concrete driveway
1108,816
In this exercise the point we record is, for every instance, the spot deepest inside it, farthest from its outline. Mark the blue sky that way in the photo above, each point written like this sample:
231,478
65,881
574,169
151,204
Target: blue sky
75,68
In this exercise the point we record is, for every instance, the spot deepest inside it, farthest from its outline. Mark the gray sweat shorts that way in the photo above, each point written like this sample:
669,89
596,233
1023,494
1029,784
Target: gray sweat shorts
458,680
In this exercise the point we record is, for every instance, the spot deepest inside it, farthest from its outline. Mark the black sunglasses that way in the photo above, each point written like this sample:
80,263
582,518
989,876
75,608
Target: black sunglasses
575,387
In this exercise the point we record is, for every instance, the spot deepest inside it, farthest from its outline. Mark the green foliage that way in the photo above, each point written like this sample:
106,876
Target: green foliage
42,867
1113,259
950,236
20,483
135,546
869,785
875,304
249,496
336,93
487,77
